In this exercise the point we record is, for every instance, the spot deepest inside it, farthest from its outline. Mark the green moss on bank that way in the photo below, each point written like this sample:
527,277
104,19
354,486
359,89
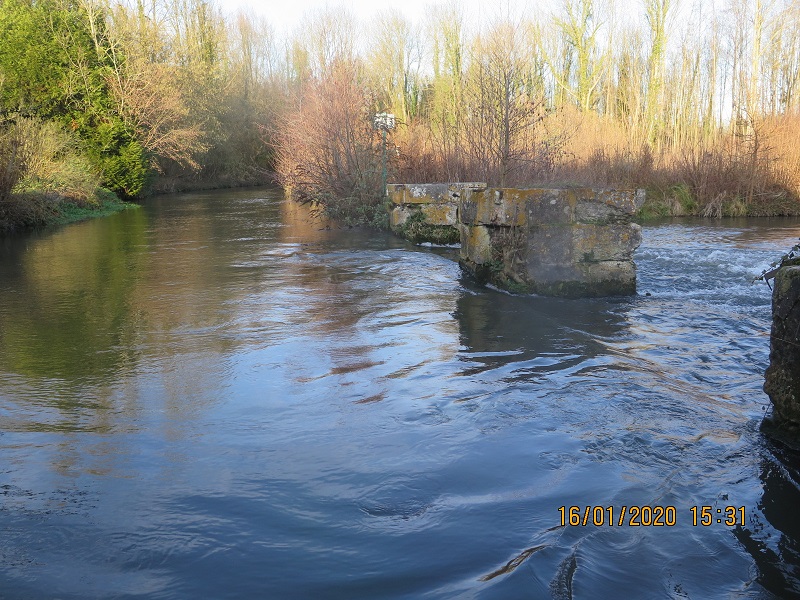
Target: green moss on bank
35,209
417,229
108,204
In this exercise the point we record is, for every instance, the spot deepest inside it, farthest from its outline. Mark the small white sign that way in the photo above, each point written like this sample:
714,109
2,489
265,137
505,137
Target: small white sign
384,121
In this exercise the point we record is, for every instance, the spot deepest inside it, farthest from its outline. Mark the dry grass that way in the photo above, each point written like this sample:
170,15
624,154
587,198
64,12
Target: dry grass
753,171
12,166
327,151
51,163
41,175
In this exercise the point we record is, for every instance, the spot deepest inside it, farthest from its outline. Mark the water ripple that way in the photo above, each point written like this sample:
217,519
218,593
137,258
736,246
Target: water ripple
219,398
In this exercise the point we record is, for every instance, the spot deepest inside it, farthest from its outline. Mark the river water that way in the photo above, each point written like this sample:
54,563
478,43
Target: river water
212,397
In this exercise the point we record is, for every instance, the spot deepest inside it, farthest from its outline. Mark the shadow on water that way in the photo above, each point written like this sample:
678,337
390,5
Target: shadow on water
182,283
83,307
498,328
772,535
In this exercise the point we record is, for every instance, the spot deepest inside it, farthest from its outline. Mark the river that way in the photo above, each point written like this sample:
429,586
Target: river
213,397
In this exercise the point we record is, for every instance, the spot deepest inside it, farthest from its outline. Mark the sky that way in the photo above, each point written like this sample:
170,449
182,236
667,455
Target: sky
284,15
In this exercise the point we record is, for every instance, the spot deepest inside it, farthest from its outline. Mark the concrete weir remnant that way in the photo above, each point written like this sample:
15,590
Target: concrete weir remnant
555,242
782,378
427,212
573,242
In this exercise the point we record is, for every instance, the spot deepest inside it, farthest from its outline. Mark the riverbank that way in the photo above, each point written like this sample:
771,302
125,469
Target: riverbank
678,201
29,210
174,185
34,209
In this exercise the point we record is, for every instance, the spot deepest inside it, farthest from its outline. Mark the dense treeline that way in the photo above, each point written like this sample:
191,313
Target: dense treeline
700,105
126,96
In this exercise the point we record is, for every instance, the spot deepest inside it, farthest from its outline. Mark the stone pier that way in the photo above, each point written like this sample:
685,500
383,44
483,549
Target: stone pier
782,379
556,242
427,212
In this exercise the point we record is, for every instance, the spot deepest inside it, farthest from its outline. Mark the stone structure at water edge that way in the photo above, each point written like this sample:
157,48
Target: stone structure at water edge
557,242
782,379
427,212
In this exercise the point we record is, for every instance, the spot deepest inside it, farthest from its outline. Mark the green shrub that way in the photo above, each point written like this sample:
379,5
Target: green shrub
11,163
126,172
120,157
683,203
45,179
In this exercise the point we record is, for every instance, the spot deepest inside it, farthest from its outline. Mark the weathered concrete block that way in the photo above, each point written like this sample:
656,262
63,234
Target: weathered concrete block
614,241
572,242
600,206
550,245
494,207
551,207
440,214
432,207
468,210
466,187
565,242
476,246
598,213
608,278
399,215
782,378
418,193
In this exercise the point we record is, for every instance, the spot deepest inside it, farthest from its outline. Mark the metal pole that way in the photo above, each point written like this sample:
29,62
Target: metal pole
386,122
384,163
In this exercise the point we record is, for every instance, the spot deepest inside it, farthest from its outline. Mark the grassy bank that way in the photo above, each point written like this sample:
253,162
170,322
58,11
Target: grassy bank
38,209
47,178
678,201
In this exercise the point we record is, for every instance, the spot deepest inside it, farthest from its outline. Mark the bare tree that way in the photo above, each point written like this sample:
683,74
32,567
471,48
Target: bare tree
504,109
658,14
327,37
580,27
393,63
442,98
328,151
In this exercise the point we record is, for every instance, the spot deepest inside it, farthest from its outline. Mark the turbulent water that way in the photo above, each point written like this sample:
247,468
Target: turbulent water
212,397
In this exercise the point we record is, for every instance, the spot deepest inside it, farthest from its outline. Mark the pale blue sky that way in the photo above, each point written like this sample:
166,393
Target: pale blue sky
285,14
